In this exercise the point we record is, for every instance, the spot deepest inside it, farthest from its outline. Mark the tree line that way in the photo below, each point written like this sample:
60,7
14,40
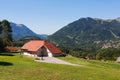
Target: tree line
5,34
93,53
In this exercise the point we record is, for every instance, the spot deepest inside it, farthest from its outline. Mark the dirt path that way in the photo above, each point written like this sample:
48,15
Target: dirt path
55,60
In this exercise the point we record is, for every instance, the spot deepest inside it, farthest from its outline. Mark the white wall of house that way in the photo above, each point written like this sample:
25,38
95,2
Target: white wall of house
38,53
118,59
28,54
49,53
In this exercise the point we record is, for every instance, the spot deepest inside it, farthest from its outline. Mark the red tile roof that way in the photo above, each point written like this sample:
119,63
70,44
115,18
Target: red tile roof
10,48
52,48
35,45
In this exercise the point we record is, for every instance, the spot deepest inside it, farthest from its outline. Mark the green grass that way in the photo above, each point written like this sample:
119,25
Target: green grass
25,68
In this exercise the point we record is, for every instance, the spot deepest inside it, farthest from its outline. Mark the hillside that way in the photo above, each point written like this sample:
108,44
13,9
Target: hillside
25,68
20,42
20,31
87,32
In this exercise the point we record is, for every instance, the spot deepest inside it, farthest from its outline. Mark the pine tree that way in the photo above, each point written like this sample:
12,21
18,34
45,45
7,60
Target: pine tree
6,33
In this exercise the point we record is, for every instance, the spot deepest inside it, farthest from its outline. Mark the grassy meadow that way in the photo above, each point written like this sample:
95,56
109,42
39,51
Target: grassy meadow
16,67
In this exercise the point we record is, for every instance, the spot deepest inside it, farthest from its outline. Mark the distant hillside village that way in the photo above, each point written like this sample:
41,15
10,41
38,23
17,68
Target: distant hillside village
86,38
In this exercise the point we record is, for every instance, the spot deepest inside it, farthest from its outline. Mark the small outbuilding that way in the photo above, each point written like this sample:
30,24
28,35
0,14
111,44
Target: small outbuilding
40,48
11,49
118,60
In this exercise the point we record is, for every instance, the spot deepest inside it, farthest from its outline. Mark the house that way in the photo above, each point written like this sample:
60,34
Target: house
11,49
118,60
40,48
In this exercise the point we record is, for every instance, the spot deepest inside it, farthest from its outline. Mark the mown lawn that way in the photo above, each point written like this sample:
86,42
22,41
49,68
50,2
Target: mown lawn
25,68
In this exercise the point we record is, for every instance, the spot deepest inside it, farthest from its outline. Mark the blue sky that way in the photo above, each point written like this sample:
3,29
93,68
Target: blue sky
48,16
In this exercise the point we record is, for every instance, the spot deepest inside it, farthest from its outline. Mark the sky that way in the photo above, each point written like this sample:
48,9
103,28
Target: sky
48,16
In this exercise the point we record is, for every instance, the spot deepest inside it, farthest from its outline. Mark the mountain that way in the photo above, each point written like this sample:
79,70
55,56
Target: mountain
20,31
20,42
87,32
42,36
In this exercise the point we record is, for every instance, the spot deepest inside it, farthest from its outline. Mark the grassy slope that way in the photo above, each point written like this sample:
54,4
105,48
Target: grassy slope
18,68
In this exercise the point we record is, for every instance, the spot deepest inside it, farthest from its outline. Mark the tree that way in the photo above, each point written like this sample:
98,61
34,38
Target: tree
6,32
1,45
98,56
0,28
108,54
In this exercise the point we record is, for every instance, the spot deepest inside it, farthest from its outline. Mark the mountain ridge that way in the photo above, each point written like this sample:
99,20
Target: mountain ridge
20,31
87,31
